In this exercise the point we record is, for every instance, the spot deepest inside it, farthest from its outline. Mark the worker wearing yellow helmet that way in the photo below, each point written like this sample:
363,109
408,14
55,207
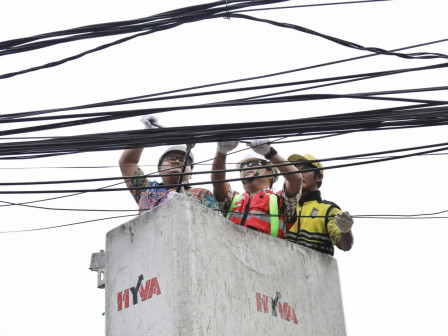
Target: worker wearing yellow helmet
259,207
319,224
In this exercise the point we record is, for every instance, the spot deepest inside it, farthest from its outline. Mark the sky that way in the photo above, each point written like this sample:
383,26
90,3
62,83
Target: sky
393,281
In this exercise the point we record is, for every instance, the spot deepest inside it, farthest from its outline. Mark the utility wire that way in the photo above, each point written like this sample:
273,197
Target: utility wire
309,5
25,116
226,180
197,13
419,115
407,217
136,99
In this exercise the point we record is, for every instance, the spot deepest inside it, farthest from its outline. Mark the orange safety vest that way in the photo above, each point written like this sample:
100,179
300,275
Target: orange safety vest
258,212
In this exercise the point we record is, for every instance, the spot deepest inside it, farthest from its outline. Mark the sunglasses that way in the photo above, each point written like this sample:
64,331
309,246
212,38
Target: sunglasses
253,164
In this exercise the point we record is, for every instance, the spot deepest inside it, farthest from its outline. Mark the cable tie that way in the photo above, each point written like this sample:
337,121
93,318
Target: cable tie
227,15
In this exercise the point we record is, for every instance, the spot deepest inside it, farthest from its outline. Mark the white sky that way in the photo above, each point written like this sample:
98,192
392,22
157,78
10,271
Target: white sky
394,279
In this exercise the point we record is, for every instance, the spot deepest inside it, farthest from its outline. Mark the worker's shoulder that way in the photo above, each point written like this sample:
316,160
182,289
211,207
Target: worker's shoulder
330,203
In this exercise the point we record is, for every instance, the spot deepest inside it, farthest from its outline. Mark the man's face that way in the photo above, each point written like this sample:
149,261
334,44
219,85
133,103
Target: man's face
309,178
172,163
255,166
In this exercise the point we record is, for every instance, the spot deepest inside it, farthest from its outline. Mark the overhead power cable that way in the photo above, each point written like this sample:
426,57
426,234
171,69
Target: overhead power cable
443,147
407,217
309,5
420,115
89,118
26,116
433,147
162,22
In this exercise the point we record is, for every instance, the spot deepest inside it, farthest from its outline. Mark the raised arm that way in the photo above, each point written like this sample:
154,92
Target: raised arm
129,163
293,182
221,189
130,157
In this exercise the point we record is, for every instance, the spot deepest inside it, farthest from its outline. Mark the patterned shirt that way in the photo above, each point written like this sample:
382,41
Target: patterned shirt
152,195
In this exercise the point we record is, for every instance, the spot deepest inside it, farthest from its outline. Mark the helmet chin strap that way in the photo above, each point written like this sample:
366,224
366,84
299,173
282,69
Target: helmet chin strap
250,179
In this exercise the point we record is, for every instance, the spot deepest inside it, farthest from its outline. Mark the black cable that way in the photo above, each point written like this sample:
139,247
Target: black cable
20,117
379,51
412,217
422,115
131,100
161,175
65,225
90,118
310,5
234,179
196,15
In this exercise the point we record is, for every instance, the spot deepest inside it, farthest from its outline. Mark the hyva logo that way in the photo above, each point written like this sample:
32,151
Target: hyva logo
146,291
283,310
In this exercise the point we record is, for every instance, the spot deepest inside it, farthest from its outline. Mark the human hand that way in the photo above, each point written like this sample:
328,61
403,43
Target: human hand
148,121
174,194
344,221
260,146
226,146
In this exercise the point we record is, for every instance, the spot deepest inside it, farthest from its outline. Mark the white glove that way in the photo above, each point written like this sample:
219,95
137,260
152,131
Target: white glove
174,194
344,221
226,146
148,119
260,146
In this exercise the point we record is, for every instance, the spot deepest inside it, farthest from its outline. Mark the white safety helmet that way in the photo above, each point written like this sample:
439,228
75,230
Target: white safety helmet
181,149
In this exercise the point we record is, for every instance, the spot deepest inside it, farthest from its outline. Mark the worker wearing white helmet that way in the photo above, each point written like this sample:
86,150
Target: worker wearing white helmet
259,207
149,194
319,224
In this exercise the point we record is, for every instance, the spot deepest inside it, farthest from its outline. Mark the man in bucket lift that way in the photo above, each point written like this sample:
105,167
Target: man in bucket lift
319,224
258,208
170,162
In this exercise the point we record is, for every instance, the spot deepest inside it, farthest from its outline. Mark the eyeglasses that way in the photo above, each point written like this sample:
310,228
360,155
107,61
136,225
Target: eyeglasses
173,158
253,164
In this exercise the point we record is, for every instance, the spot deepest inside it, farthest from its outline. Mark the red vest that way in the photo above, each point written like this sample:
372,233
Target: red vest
253,212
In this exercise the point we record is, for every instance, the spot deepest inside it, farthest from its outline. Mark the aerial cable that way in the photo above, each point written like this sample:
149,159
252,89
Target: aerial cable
156,175
12,118
114,115
309,5
379,51
131,100
114,217
9,45
182,15
350,79
106,116
189,184
384,119
70,209
422,55
66,225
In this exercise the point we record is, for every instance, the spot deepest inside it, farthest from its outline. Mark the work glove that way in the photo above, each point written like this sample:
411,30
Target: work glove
344,221
173,194
148,119
226,146
260,146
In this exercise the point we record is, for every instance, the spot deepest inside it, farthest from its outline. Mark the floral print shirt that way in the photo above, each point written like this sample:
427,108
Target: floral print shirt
152,194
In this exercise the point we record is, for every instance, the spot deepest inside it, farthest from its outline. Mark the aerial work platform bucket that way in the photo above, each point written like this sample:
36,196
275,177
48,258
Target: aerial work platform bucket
183,269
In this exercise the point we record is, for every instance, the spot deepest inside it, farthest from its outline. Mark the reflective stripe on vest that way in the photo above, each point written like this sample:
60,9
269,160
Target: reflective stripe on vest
273,211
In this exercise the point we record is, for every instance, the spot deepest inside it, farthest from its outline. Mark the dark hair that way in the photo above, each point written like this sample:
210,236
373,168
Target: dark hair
317,173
